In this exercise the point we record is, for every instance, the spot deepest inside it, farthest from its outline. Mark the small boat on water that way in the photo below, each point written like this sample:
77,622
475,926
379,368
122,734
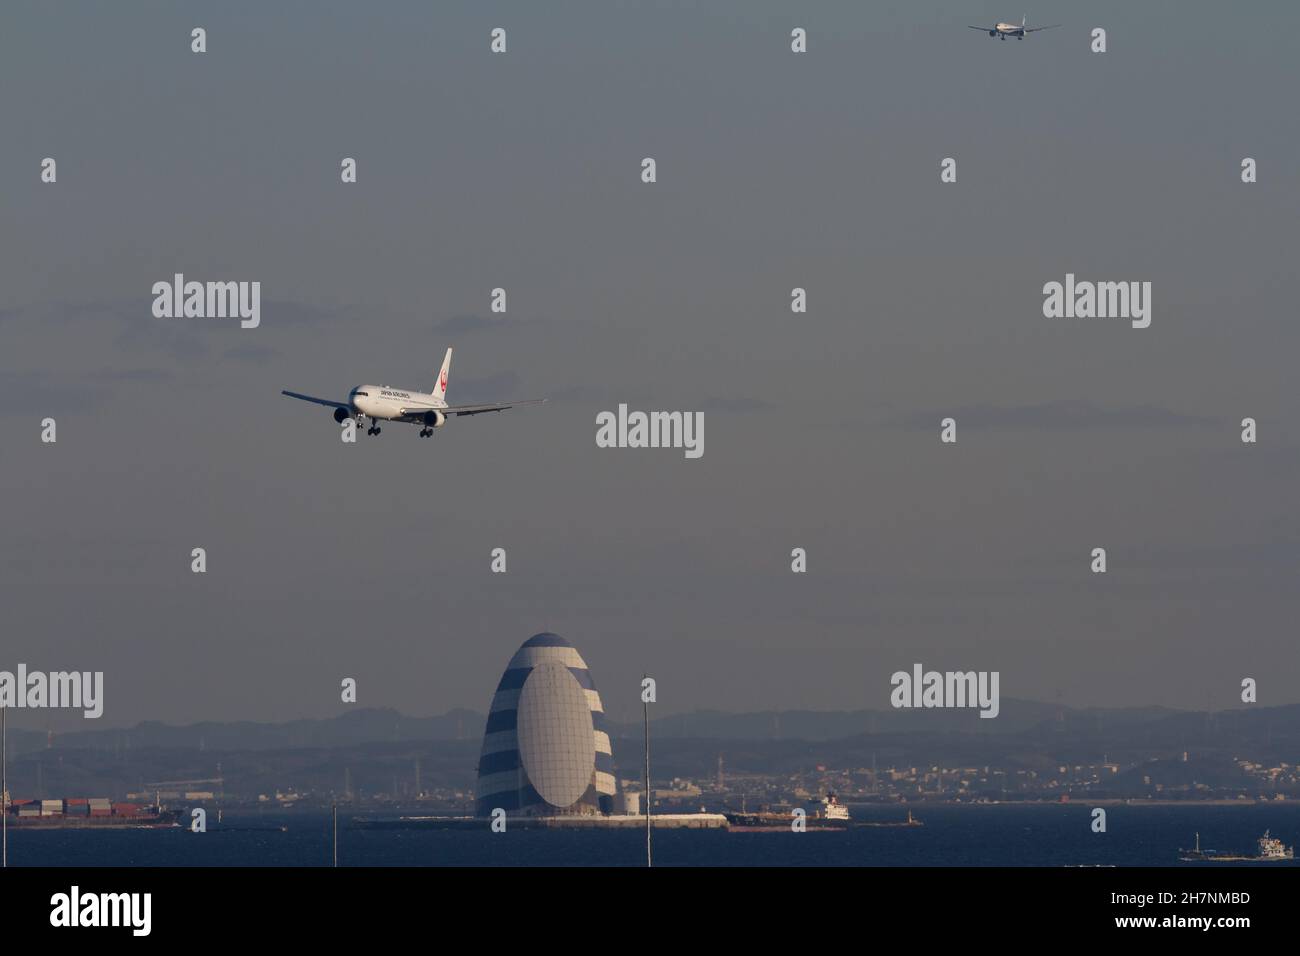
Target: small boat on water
1270,849
827,814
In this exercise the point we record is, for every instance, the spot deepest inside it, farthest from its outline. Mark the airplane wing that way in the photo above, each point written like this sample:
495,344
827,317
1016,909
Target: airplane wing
318,401
480,409
987,29
1036,29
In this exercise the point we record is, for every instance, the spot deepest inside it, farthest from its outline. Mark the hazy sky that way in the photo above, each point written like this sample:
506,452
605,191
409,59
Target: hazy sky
775,170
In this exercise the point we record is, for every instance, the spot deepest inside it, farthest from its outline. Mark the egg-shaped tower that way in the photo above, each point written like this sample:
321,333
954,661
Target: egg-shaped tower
545,749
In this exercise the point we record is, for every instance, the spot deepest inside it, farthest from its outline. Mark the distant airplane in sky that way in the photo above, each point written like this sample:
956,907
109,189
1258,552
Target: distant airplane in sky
386,403
1004,30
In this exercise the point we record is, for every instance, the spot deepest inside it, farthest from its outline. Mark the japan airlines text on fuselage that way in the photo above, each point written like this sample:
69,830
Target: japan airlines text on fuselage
387,403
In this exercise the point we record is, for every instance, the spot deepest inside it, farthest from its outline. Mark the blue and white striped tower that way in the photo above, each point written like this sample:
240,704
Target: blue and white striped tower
546,750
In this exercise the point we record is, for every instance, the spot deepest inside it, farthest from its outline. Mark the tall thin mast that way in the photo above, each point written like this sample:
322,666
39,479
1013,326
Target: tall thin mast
4,783
646,701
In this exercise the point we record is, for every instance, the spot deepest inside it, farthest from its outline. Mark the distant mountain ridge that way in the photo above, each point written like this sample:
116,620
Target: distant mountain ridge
1016,716
362,726
383,725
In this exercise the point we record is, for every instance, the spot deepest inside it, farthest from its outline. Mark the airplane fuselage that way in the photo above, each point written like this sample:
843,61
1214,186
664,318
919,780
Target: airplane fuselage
389,403
1008,29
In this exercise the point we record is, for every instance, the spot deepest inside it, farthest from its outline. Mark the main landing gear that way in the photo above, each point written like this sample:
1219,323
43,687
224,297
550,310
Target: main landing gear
426,432
373,430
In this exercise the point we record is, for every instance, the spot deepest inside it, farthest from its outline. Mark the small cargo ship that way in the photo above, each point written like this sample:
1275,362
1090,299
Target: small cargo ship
828,814
775,820
1270,850
82,812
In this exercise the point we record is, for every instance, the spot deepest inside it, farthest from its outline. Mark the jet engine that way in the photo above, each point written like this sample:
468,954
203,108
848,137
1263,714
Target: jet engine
434,419
340,414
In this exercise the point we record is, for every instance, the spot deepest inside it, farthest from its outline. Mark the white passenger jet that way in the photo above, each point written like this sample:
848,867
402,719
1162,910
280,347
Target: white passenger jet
386,403
1004,30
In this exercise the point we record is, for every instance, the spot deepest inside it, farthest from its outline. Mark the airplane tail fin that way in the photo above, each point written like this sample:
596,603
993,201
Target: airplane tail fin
440,386
1024,20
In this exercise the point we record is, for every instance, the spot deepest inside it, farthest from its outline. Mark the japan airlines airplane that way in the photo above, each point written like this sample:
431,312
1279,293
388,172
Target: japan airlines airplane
385,403
1004,30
